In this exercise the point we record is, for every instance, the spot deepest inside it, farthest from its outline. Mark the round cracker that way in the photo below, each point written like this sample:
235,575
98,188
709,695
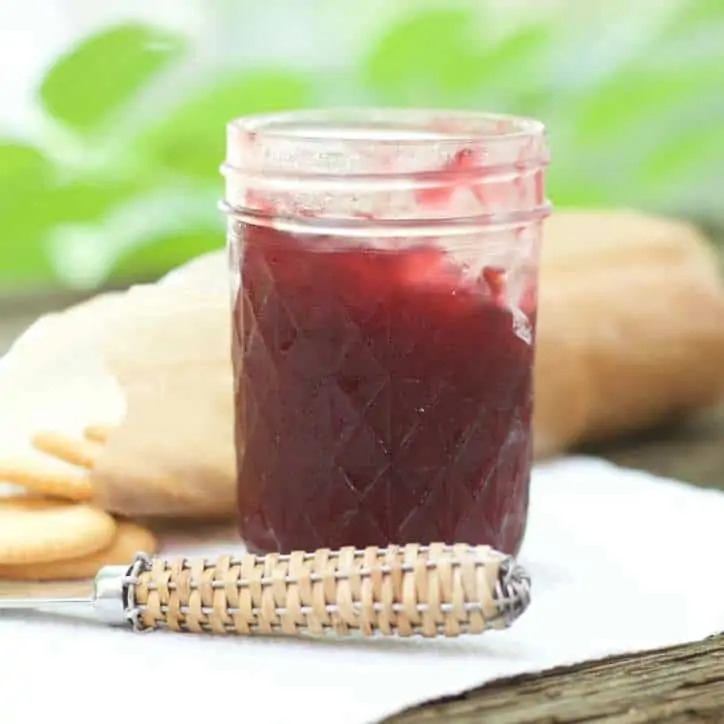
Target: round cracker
56,481
47,532
129,539
82,453
98,433
32,501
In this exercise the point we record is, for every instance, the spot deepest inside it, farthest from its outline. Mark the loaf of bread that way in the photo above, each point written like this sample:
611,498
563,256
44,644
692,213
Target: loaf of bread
631,326
173,455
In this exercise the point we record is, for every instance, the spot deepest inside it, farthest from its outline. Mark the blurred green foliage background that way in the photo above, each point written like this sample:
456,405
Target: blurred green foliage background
121,181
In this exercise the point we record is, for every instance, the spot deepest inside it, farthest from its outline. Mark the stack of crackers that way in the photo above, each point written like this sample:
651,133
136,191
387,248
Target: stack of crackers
50,529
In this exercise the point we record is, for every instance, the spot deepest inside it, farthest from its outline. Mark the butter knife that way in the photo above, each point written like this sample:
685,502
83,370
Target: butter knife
412,590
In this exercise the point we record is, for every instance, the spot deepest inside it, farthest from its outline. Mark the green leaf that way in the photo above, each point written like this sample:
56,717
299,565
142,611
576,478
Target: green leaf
635,98
97,78
157,256
22,165
430,55
86,200
192,139
570,189
34,202
25,266
24,257
685,159
31,217
694,15
516,55
26,177
29,214
513,72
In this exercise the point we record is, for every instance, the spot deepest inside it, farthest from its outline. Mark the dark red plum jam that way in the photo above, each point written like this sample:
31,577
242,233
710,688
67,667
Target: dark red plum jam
385,396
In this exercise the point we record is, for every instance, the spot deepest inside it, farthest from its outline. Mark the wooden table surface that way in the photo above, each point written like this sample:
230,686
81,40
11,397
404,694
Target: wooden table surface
679,685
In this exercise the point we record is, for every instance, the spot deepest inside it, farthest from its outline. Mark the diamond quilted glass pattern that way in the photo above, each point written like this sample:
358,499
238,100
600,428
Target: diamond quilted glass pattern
374,409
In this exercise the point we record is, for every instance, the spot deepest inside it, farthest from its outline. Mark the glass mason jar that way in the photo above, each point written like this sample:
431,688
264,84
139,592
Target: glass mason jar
384,270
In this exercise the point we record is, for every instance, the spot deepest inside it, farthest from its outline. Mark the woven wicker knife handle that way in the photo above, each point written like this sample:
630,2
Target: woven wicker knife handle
429,591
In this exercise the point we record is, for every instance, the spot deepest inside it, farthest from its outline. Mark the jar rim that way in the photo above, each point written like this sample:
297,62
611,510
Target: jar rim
388,126
388,164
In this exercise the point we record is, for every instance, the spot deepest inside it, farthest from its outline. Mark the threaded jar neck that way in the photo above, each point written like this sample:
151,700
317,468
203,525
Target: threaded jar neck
391,168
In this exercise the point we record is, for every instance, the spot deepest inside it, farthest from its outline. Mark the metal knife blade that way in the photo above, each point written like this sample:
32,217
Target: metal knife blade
24,595
99,599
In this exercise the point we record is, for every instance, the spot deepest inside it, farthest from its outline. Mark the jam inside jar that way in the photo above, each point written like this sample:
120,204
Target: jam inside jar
384,273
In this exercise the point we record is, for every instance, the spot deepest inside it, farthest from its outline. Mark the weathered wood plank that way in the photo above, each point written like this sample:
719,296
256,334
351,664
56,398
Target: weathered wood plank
674,685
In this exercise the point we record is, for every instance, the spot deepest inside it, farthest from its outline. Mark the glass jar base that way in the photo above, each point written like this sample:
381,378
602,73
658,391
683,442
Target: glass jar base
508,540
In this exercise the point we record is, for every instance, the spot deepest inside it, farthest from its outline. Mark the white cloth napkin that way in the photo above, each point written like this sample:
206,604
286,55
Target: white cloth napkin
621,561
